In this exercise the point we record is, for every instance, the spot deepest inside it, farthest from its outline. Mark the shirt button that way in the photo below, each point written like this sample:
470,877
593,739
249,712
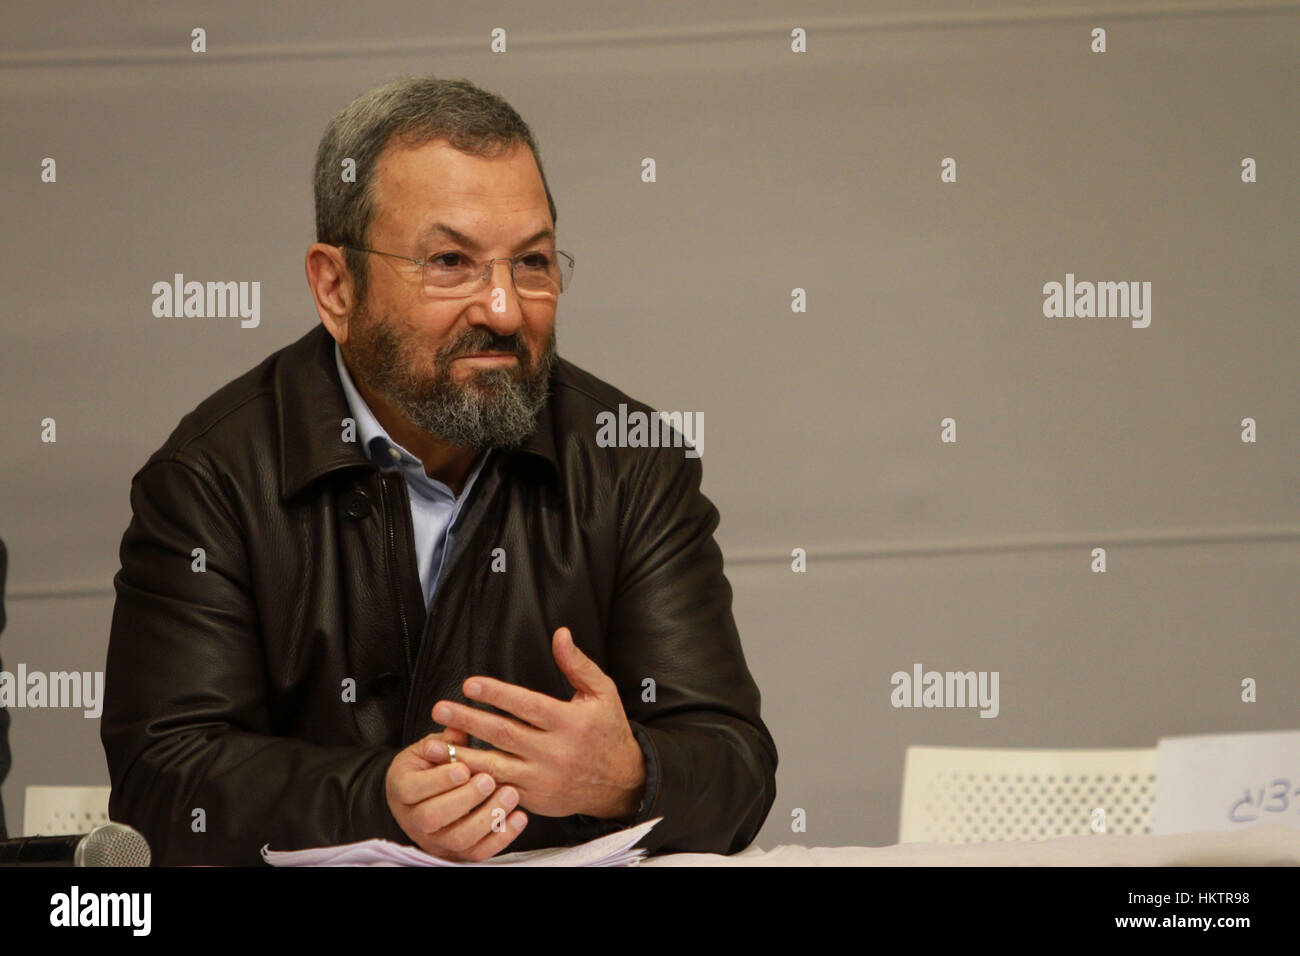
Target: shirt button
394,454
357,504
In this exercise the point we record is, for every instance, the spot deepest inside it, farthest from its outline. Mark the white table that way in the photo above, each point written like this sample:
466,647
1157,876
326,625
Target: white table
1272,845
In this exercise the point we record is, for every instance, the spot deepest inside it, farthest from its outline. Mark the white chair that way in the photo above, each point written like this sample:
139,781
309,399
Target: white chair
55,811
973,795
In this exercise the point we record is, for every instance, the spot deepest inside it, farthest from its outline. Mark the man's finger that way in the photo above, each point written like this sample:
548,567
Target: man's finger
495,842
503,767
540,710
465,833
416,786
502,732
435,745
581,671
438,812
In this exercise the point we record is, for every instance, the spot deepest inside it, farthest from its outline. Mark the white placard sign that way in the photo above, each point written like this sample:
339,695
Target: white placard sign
1226,781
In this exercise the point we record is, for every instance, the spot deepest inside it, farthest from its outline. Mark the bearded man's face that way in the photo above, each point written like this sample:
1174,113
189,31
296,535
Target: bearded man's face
492,404
473,369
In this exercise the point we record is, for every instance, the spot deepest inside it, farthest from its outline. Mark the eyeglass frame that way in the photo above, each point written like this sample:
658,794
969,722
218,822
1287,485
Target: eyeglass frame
487,268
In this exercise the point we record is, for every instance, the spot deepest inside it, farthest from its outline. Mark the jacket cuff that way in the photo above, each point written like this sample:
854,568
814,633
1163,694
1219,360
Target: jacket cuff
376,820
650,799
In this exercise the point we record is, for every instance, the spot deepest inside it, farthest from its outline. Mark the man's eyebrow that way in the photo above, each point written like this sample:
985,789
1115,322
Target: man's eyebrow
441,228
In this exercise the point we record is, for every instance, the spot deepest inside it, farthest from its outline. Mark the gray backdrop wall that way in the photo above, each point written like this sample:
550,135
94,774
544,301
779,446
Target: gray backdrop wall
776,170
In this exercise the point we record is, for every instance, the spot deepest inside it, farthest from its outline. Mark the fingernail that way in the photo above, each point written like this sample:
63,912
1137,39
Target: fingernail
459,773
473,689
509,799
486,784
518,821
442,714
435,751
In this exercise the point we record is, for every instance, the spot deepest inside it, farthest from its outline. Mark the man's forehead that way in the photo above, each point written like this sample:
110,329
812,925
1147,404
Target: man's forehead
441,229
421,186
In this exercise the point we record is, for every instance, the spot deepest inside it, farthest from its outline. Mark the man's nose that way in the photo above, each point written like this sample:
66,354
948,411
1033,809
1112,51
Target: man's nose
500,294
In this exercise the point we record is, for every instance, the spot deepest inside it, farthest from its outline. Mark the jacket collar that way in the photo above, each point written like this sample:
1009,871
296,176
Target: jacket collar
310,407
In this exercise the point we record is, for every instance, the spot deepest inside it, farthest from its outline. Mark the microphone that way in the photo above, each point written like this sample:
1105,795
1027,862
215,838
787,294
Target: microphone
113,844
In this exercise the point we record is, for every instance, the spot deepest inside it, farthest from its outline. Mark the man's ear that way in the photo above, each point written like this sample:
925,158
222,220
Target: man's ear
332,288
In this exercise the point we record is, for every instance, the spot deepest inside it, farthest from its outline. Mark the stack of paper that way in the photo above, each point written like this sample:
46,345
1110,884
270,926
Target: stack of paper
614,849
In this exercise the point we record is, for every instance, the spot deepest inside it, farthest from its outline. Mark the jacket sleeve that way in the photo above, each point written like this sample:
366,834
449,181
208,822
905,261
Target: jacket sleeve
186,730
710,760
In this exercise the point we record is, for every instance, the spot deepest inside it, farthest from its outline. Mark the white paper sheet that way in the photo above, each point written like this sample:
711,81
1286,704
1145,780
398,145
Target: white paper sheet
613,849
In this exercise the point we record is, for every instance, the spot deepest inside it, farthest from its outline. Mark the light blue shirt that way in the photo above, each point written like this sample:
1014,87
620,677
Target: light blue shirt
434,509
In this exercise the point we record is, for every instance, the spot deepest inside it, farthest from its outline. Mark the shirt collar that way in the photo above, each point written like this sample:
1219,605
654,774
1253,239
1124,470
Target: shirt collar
374,438
385,452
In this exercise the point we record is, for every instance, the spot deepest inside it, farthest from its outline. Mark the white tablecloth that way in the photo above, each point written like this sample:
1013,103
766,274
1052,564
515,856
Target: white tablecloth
1274,845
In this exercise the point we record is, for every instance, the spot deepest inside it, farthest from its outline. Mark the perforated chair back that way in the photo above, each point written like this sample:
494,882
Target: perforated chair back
57,811
974,795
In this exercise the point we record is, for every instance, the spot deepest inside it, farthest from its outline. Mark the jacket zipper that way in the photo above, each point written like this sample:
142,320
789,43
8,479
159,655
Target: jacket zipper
425,641
452,559
389,517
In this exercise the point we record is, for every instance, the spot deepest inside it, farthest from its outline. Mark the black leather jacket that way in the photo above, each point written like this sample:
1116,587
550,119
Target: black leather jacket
225,686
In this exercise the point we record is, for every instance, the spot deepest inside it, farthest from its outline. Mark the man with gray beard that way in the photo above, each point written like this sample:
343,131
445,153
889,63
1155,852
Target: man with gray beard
495,408
388,584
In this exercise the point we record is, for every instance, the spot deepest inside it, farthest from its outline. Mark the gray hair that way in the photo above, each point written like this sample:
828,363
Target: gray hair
411,110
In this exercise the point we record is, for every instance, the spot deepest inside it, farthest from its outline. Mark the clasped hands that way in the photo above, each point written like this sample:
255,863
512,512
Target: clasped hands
559,758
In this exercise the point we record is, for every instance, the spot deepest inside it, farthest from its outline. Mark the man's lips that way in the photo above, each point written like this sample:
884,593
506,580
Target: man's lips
488,357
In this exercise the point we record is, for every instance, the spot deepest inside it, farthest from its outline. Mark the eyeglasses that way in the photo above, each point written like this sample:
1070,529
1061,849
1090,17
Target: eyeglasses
540,274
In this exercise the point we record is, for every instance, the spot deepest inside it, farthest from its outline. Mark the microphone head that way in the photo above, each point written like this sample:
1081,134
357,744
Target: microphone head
113,844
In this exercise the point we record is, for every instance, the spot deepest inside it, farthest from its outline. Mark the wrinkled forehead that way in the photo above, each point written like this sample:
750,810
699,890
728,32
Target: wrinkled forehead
488,199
